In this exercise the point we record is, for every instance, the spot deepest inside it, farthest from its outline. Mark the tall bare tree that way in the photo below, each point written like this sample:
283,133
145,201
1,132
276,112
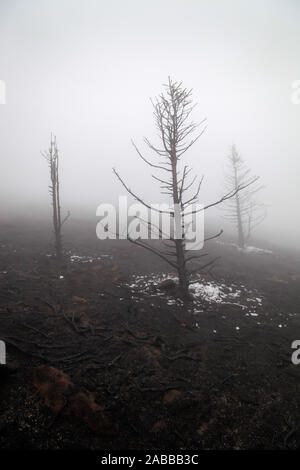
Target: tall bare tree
244,211
177,134
52,158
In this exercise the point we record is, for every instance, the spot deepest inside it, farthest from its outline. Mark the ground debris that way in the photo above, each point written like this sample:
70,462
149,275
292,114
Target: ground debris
61,396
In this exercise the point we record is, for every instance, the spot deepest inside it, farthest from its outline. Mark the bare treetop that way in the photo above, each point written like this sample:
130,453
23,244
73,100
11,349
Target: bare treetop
172,111
244,211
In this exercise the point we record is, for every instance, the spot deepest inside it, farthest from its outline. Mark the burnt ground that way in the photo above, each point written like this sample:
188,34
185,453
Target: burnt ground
167,375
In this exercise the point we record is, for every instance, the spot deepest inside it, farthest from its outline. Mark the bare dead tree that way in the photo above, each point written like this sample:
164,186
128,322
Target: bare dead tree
177,134
52,158
244,211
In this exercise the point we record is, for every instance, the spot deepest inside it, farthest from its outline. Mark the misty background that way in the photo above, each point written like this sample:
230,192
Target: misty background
85,70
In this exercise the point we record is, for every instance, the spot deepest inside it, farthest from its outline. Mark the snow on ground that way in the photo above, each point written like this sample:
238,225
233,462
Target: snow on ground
247,248
254,249
250,301
86,259
211,291
82,258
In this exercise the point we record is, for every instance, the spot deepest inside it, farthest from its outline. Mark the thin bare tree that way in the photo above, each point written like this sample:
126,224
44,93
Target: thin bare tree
52,158
177,133
244,211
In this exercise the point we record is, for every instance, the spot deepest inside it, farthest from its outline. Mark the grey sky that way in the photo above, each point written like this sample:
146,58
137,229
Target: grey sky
85,69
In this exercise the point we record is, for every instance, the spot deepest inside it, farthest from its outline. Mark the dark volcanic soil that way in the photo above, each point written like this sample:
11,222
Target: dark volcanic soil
211,374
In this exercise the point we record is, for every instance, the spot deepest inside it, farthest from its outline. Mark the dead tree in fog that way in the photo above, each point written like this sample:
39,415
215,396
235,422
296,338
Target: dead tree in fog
177,134
53,161
243,210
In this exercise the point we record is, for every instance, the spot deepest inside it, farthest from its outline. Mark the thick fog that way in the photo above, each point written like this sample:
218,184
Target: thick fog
85,70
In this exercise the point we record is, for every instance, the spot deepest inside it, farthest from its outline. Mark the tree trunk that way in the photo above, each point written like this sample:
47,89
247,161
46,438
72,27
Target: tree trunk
179,243
54,190
241,237
182,274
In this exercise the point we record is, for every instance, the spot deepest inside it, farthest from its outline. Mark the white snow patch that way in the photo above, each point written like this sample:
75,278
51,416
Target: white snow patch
246,249
87,259
255,249
212,292
209,291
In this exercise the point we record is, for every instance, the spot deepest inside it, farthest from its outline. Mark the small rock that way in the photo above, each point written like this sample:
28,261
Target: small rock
167,284
171,396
